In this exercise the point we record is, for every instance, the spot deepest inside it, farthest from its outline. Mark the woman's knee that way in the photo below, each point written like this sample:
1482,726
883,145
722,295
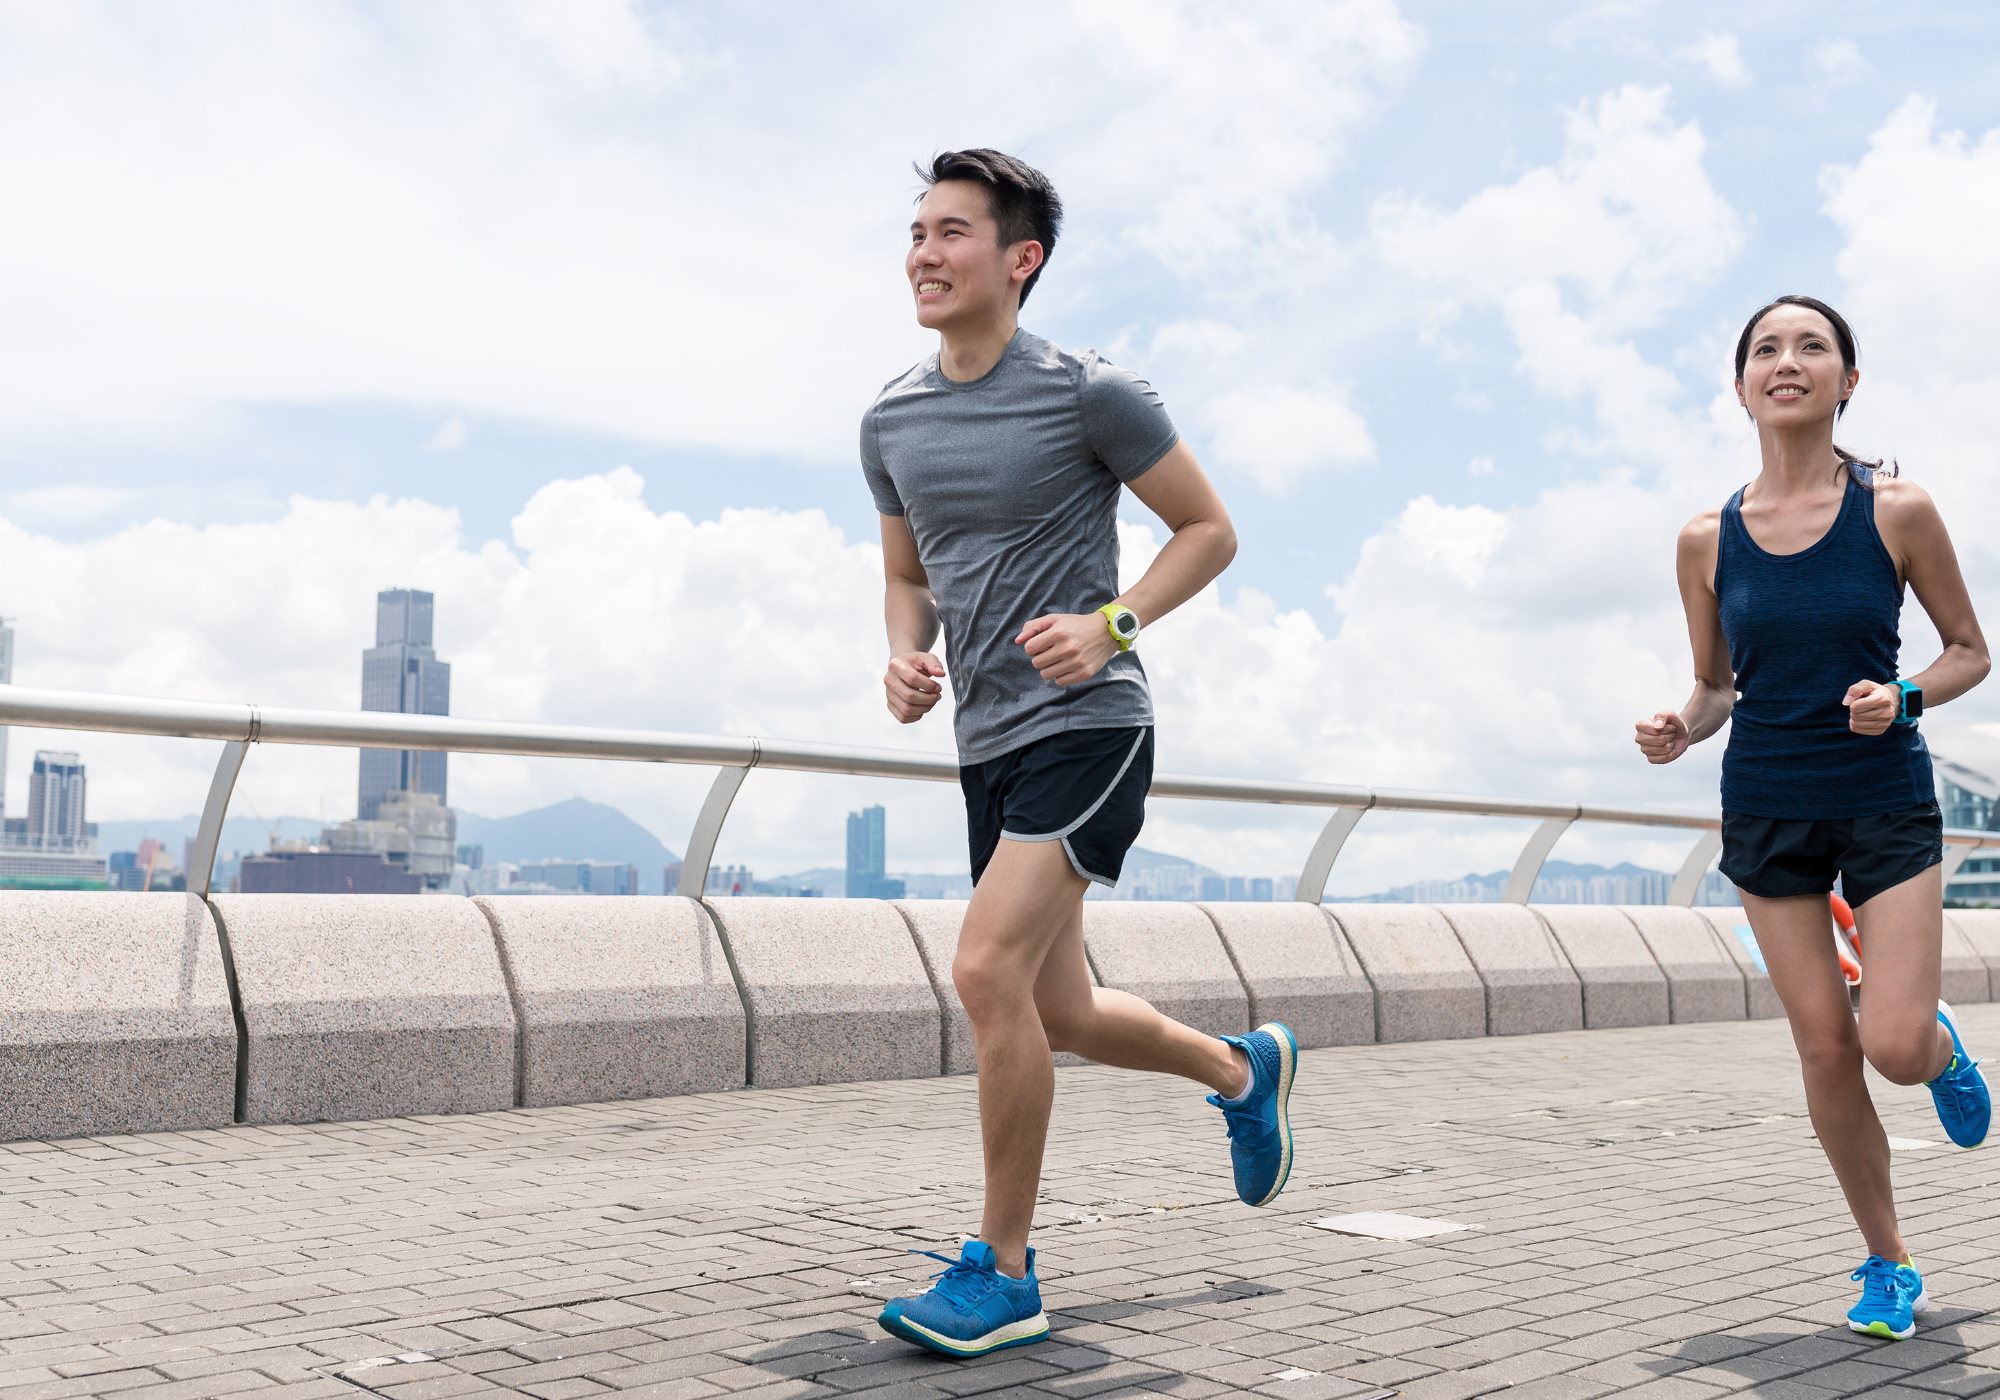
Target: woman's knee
1904,1054
1829,1053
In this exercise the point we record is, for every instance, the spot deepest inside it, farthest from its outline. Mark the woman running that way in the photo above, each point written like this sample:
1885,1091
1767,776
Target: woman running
1793,590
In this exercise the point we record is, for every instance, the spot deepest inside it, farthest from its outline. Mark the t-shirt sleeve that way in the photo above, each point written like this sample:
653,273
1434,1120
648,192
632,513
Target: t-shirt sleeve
880,486
1123,419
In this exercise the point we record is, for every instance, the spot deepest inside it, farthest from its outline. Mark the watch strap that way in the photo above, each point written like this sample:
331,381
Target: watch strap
1903,715
1110,612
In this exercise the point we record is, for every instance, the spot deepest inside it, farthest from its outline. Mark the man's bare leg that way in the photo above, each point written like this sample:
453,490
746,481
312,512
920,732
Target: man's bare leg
1021,973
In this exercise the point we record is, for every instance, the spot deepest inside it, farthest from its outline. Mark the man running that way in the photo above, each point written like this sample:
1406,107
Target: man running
996,465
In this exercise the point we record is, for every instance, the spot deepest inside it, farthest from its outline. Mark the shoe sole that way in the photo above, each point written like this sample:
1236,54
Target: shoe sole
1014,1334
1288,1056
1950,1019
1882,1329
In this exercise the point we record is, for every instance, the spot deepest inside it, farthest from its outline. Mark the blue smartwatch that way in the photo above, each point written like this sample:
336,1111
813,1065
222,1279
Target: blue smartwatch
1911,708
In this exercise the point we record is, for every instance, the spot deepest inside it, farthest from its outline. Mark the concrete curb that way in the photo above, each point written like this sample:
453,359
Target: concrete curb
1980,928
1425,986
368,1006
1171,955
834,989
1703,980
114,1016
1530,986
618,998
1297,967
1731,927
1622,985
1963,975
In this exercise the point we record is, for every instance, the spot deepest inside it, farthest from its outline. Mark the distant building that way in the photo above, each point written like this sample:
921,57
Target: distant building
1966,760
401,674
582,876
53,847
6,678
56,802
730,880
414,830
670,879
472,857
324,872
868,856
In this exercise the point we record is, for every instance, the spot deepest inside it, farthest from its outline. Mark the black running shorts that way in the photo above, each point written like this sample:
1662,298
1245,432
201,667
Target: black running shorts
1085,788
1775,857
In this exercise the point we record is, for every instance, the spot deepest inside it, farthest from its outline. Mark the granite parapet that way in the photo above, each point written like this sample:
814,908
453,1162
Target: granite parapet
1530,986
1622,985
1426,988
1296,967
618,998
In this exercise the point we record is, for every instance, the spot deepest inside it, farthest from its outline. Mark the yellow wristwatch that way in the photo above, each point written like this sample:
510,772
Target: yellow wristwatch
1123,622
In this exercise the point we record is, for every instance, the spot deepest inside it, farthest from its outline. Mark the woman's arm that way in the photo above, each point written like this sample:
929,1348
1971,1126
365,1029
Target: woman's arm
1667,735
1913,532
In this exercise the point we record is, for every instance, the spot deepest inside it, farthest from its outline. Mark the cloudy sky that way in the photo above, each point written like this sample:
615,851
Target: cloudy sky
567,309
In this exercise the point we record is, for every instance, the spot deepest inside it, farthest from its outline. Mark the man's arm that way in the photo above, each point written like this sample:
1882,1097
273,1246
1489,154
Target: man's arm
911,615
1067,648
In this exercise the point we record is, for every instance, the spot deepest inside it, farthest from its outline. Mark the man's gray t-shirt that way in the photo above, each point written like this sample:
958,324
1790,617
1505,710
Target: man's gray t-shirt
1009,483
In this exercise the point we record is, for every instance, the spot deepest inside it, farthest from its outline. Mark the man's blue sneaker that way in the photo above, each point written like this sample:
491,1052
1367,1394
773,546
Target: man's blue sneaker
1260,1133
1963,1105
1891,1296
972,1309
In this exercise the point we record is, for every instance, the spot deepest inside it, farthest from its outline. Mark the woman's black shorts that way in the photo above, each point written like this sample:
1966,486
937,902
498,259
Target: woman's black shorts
1085,788
1775,857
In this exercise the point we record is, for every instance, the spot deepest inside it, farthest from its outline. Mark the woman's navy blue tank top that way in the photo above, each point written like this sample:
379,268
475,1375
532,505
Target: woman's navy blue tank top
1801,629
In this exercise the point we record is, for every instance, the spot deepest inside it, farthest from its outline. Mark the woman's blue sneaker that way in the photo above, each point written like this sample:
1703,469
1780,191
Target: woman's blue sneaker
1891,1296
972,1309
1963,1105
1260,1132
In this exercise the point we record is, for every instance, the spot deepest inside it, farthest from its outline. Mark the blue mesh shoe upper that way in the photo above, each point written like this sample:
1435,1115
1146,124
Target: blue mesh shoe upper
1260,1130
1964,1106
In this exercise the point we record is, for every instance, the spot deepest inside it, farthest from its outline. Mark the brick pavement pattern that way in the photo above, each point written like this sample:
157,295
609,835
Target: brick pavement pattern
1650,1218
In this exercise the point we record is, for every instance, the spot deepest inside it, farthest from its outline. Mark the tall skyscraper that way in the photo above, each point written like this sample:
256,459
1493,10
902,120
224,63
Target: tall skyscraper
6,678
55,802
868,854
401,674
867,849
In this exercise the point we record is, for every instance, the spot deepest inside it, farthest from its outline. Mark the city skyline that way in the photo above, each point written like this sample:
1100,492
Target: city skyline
401,674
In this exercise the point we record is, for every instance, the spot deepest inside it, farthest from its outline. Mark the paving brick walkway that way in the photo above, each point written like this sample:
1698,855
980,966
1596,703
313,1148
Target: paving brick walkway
1651,1218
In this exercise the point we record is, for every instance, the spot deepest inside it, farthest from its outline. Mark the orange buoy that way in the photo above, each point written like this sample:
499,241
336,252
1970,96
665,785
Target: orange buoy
1846,941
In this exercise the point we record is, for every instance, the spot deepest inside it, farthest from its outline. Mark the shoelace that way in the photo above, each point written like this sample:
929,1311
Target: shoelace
1880,1280
961,1284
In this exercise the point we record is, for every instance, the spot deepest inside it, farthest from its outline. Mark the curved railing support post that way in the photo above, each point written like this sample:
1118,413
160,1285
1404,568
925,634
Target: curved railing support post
1325,851
708,827
201,865
1955,855
1687,884
1521,884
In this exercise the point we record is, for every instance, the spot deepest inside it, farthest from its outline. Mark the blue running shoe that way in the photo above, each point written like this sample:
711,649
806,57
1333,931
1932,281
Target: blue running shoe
1260,1133
972,1309
1963,1105
1891,1295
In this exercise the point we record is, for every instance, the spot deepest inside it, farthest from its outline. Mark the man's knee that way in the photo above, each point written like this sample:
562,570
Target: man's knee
986,985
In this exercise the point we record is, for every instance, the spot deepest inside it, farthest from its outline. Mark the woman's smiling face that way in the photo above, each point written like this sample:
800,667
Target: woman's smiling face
1794,374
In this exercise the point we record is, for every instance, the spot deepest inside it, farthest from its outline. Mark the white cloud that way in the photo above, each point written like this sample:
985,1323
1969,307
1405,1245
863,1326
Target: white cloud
1481,466
560,211
449,437
1922,273
1628,217
1721,55
599,40
1840,61
1279,435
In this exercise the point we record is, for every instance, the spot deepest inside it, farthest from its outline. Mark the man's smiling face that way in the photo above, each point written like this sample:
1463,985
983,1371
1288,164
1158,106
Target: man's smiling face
959,273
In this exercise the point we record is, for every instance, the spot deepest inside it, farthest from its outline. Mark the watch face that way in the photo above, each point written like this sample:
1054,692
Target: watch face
1913,703
1125,623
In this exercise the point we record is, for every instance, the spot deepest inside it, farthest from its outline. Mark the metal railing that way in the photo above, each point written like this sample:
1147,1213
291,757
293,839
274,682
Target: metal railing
241,725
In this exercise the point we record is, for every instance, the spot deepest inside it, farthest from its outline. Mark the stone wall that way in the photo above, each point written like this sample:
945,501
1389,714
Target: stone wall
127,1012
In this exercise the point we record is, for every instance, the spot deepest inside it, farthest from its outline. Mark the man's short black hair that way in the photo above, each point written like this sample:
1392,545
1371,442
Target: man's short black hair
1020,197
